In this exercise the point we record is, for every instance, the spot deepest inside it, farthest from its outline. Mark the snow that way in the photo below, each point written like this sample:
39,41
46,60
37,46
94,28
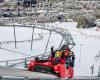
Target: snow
86,48
25,47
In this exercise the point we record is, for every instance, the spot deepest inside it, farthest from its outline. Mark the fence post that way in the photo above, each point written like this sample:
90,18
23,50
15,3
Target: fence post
0,77
6,63
99,72
61,42
48,41
92,69
14,36
32,39
25,63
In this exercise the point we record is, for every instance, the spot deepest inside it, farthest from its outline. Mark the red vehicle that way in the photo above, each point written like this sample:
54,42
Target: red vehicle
44,66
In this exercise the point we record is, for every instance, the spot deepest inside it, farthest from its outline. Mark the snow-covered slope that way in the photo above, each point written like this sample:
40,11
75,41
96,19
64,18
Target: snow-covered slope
87,45
24,35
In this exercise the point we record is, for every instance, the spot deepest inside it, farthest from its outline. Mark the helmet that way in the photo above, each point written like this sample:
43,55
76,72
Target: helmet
67,49
58,54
